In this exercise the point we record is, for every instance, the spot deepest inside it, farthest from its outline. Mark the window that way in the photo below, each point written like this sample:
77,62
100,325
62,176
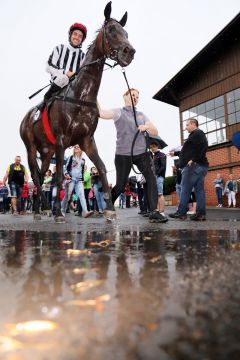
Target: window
232,119
211,125
237,94
201,108
201,119
220,122
219,111
219,101
203,127
238,116
185,115
213,116
230,97
192,112
184,125
231,107
210,105
237,105
212,138
185,134
221,135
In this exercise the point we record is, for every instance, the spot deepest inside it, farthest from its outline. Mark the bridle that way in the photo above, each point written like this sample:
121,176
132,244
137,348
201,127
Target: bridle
108,52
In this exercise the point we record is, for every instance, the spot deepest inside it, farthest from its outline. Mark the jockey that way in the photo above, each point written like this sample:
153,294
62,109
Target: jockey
65,60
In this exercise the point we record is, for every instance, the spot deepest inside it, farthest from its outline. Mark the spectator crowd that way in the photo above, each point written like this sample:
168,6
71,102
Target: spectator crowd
81,192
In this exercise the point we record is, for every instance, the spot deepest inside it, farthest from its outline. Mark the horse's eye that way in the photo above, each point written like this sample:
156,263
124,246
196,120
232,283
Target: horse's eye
112,29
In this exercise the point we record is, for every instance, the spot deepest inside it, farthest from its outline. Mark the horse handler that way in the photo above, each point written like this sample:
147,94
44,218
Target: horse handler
126,130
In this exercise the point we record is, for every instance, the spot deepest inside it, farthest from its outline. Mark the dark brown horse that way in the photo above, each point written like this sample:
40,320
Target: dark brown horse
73,117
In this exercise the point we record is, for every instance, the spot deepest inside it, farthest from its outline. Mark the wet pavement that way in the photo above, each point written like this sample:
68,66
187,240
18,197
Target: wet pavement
90,289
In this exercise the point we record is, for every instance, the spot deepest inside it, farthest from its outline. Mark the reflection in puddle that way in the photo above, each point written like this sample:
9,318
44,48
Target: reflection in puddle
34,326
98,289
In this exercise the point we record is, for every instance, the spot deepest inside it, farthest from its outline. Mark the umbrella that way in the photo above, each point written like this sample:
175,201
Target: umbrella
155,139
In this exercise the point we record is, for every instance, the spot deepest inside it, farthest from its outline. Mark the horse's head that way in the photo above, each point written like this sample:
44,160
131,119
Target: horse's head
114,39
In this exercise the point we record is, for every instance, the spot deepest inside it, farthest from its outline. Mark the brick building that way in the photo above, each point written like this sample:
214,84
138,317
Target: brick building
208,89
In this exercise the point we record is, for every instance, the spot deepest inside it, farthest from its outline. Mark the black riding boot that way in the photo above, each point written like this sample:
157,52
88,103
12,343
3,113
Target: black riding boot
53,89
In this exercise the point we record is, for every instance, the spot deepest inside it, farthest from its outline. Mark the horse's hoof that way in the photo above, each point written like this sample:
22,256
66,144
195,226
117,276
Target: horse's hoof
60,219
37,217
110,215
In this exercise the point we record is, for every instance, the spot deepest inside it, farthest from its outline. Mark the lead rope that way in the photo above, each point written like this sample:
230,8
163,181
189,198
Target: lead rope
135,119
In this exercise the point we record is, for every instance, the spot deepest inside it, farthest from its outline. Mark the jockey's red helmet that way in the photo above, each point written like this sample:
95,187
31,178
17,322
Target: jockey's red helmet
78,26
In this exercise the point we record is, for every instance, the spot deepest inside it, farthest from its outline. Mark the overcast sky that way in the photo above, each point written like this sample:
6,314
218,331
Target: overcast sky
165,34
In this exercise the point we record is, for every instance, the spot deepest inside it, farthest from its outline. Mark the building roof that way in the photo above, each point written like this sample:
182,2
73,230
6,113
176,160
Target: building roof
229,33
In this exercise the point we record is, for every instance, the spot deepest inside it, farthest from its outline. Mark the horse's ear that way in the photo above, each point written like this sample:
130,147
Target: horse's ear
108,10
123,19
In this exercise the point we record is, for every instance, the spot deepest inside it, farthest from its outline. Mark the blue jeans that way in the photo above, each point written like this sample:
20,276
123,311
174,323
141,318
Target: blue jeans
16,190
193,177
160,181
79,190
99,197
219,195
178,191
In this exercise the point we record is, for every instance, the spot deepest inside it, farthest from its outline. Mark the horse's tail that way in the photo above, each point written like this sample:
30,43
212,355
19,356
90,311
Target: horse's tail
27,135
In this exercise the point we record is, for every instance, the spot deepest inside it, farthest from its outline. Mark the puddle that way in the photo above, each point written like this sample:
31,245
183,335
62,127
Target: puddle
92,294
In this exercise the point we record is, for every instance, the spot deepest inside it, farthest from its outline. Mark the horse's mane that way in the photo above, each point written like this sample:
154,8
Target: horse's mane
90,45
97,32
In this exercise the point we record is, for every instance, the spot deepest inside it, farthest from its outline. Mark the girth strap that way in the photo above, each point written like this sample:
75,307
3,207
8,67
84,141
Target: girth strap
75,102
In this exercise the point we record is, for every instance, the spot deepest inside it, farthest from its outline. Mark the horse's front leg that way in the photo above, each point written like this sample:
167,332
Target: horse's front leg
59,153
90,149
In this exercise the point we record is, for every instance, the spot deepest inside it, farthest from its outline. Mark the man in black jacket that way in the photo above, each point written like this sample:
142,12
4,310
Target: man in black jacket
194,165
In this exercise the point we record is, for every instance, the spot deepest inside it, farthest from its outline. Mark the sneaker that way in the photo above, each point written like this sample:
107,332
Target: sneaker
176,215
198,217
155,216
15,213
220,205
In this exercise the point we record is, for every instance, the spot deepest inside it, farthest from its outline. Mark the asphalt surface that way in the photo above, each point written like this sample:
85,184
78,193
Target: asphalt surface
127,219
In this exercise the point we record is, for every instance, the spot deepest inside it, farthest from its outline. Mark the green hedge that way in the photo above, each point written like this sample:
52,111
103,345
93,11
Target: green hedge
169,185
